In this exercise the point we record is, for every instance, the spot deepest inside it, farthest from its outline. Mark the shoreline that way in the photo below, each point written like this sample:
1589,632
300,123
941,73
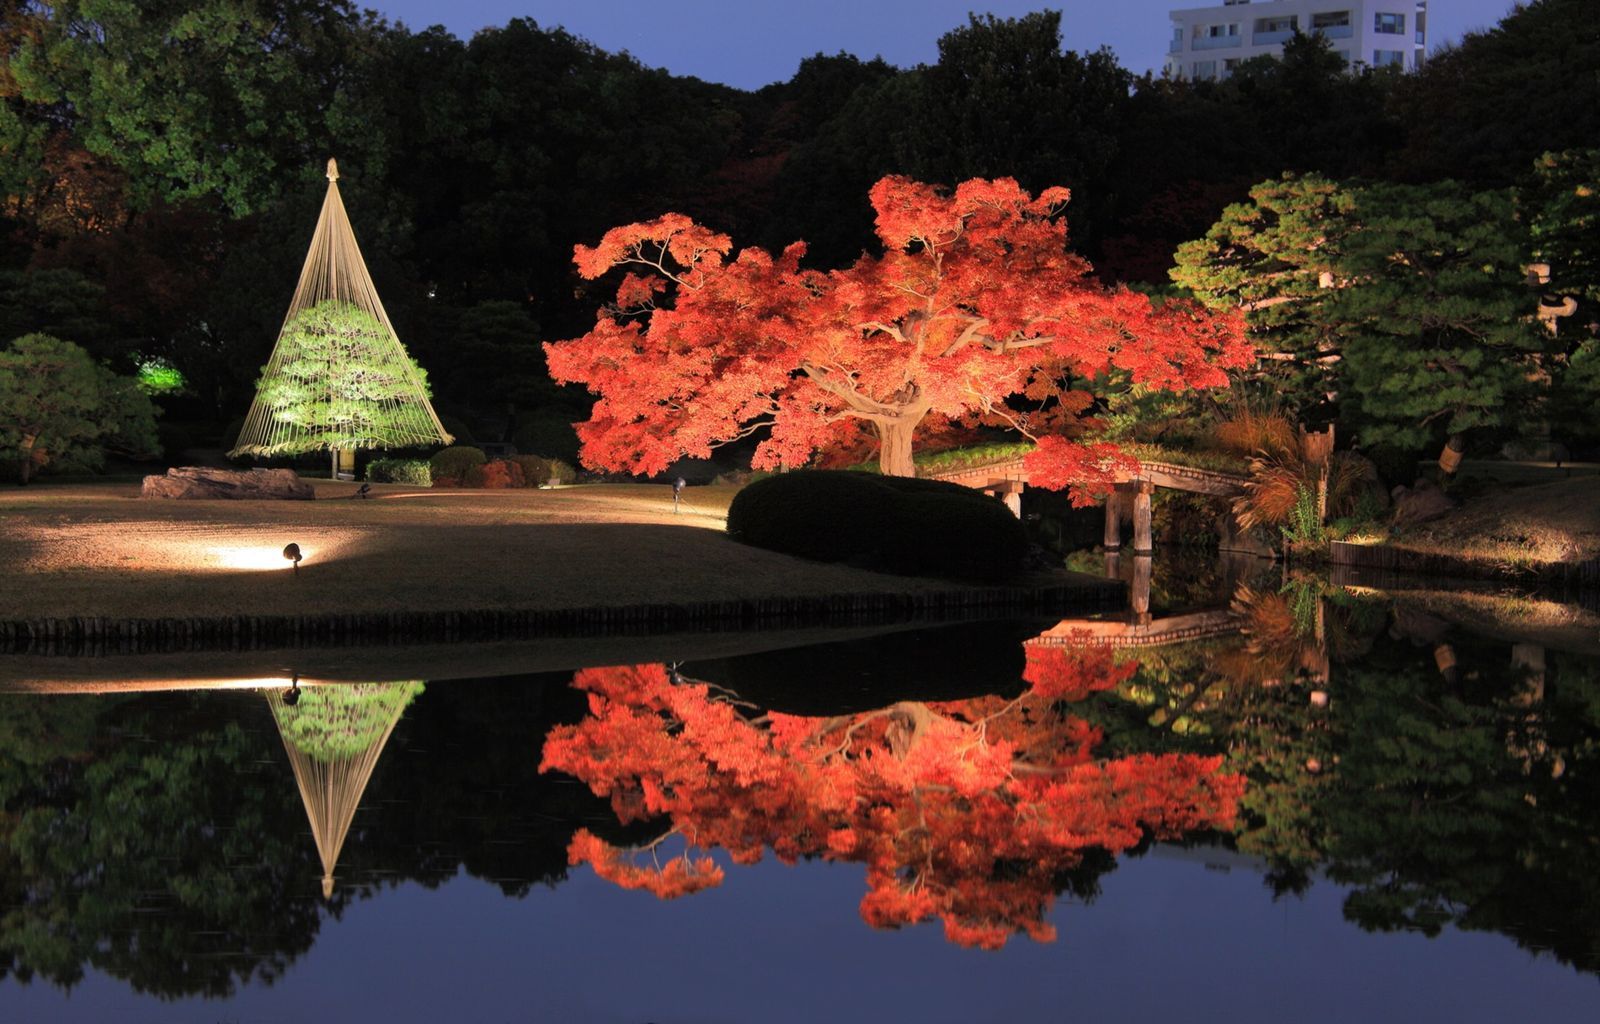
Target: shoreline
97,635
94,568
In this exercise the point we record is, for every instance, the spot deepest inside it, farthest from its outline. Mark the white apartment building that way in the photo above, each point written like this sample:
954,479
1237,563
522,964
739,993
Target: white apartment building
1209,42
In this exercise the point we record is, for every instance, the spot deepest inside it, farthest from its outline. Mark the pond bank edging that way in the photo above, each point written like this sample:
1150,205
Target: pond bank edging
100,635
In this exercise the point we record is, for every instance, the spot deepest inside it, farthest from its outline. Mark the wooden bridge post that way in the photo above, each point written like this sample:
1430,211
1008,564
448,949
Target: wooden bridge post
1143,544
1139,592
1113,534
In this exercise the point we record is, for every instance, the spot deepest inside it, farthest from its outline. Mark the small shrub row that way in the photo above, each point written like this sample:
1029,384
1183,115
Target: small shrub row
908,525
415,472
462,466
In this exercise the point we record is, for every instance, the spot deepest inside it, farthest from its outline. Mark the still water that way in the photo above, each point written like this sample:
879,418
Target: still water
1265,798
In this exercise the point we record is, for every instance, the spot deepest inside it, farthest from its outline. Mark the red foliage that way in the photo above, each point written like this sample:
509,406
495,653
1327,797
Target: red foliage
966,810
1087,470
496,475
1060,672
975,299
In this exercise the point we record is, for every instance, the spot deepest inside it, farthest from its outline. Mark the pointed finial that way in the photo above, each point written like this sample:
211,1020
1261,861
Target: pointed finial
333,169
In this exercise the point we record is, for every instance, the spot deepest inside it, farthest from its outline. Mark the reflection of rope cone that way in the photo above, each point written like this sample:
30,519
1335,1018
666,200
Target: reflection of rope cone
334,736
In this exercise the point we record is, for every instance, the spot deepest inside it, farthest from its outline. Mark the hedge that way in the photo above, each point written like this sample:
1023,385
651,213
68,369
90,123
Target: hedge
904,524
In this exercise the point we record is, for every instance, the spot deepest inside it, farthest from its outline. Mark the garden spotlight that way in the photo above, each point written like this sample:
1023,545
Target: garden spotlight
292,553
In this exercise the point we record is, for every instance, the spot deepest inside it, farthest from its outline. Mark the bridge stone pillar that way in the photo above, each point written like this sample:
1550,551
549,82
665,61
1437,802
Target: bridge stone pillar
1013,500
1113,534
1143,544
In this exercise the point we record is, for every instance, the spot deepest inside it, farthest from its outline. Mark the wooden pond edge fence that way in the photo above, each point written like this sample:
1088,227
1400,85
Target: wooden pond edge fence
91,635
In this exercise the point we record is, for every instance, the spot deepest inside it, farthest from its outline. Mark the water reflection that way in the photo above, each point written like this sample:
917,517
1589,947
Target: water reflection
334,736
1438,776
967,811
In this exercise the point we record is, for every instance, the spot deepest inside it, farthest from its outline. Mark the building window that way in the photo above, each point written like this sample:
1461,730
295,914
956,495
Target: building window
1389,24
1276,24
1205,70
1416,58
1331,19
1228,65
1343,55
1221,31
1388,58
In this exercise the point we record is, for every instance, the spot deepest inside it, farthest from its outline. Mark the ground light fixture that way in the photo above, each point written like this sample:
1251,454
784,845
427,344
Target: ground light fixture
292,553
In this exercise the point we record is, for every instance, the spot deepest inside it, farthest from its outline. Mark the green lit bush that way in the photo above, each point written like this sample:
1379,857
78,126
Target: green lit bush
454,463
415,472
908,525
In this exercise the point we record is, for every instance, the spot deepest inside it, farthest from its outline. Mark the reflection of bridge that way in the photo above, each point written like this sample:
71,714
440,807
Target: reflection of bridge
1006,480
1137,628
1141,631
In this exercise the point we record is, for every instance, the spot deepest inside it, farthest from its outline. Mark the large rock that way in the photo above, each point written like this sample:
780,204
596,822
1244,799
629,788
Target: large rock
247,484
1420,503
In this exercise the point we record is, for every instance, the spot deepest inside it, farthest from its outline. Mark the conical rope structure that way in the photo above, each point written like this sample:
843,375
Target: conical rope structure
334,736
338,378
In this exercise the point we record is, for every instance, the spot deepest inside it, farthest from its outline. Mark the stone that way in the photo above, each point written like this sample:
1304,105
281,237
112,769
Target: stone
200,482
1420,504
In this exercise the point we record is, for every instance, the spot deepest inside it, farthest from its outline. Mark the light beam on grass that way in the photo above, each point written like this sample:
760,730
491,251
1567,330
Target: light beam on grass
251,557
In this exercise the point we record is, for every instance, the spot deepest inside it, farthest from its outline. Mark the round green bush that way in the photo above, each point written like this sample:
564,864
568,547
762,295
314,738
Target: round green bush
454,462
400,471
925,527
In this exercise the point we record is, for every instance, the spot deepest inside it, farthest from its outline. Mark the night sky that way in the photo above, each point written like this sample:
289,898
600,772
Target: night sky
748,43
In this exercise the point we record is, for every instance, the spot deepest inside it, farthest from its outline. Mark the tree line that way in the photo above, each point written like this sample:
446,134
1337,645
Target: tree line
162,169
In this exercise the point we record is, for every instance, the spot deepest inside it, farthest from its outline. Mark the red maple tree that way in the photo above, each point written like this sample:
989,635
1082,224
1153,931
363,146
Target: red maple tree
976,309
968,811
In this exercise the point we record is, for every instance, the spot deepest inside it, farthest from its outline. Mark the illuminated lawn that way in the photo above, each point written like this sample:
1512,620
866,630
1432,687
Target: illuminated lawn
97,550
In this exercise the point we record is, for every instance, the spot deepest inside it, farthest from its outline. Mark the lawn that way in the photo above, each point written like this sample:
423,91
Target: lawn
98,550
1518,526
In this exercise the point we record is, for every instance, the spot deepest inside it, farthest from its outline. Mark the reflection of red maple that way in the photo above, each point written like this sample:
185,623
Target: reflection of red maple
963,810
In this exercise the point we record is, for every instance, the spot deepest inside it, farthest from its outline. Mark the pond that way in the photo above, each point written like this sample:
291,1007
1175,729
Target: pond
1267,797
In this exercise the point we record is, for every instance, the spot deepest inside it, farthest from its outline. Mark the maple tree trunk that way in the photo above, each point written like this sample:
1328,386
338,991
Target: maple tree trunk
894,451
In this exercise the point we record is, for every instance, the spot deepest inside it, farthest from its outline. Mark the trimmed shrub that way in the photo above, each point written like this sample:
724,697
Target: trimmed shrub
941,535
540,471
909,525
453,463
496,475
400,471
561,471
